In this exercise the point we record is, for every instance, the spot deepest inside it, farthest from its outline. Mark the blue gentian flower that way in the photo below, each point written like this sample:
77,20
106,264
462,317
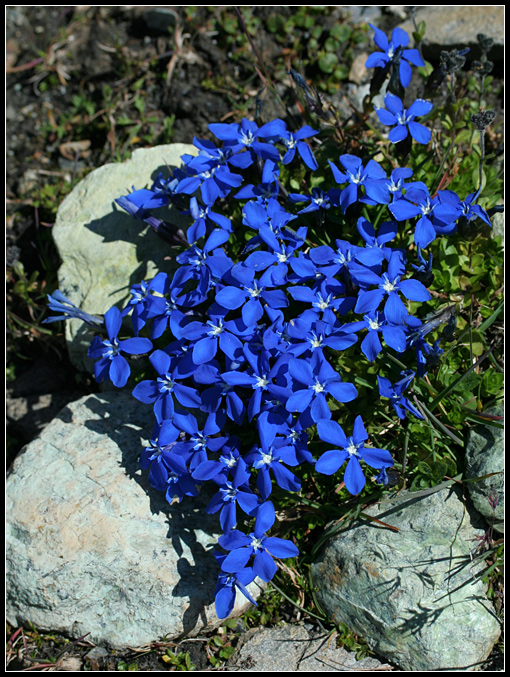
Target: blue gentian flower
245,135
219,394
467,208
111,364
157,457
273,454
262,377
370,177
424,268
319,379
293,141
394,335
205,220
389,284
324,302
209,171
432,214
67,310
200,440
248,294
142,300
396,181
394,393
161,391
375,243
232,492
402,120
179,485
262,548
399,38
267,188
275,263
352,449
308,334
227,586
426,355
139,202
319,199
208,337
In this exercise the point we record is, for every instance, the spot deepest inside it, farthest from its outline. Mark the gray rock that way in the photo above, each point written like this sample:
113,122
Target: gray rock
92,548
414,595
456,27
360,13
498,226
485,454
104,250
270,649
323,655
294,648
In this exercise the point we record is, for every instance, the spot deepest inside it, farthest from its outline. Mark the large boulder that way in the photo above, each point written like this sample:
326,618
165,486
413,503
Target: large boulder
414,594
104,250
92,548
485,459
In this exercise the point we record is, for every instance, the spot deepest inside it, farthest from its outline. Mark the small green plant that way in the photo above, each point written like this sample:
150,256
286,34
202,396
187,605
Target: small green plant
180,661
348,640
221,645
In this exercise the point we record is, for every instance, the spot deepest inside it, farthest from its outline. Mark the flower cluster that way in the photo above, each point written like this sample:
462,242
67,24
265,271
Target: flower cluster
253,341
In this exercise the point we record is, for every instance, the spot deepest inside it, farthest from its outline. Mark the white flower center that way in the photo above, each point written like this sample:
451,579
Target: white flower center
358,178
316,341
216,329
351,449
317,387
322,304
255,292
229,461
247,138
229,493
427,208
388,286
256,543
165,383
112,348
261,382
200,441
267,458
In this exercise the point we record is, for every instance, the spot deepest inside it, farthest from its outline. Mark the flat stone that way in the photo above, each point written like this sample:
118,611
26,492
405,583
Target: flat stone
104,250
92,548
295,648
415,595
457,26
323,655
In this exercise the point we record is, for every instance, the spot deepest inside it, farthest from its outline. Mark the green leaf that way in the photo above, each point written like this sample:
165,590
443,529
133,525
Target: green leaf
492,382
327,62
275,22
341,32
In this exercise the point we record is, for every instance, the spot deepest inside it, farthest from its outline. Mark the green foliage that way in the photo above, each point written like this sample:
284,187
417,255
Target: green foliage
348,640
221,646
180,662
